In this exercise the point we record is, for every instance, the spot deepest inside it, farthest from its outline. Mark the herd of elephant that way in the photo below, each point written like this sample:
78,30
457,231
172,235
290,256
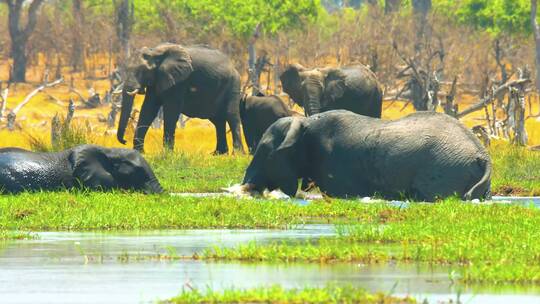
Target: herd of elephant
341,145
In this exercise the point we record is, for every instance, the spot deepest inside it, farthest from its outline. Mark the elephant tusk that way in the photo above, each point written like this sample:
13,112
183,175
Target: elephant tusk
133,93
245,190
118,89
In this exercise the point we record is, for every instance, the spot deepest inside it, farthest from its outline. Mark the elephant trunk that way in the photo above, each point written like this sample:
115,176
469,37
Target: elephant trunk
313,106
313,98
153,187
127,106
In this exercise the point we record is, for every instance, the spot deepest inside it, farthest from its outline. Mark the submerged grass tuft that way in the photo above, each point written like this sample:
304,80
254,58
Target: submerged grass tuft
277,294
10,235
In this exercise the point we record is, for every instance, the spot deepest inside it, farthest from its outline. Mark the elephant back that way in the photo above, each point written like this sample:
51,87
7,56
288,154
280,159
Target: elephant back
361,92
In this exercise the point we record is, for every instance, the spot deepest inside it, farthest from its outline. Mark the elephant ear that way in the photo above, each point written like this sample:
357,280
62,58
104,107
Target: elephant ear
291,138
283,168
334,84
292,73
291,81
89,165
173,65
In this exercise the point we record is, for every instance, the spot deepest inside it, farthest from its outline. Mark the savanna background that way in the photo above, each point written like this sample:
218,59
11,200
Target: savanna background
84,42
61,63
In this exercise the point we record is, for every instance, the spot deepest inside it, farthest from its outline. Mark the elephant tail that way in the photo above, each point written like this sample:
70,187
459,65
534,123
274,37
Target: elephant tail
243,107
481,189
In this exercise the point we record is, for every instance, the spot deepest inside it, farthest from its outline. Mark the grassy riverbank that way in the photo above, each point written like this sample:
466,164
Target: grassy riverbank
276,294
126,211
495,244
488,244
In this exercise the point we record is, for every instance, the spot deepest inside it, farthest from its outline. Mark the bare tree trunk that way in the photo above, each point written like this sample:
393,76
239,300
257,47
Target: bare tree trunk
252,60
536,30
19,35
77,56
55,130
517,112
391,6
421,9
3,101
277,66
125,17
421,6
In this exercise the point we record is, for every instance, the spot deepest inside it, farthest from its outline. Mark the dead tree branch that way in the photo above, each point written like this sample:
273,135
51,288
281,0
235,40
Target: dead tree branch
3,102
489,99
13,114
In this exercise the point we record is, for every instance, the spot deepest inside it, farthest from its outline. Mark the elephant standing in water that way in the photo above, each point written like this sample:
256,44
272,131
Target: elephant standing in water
354,88
258,113
423,156
196,81
85,166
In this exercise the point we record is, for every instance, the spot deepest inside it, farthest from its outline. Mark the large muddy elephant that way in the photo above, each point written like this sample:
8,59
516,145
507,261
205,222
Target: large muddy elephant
196,81
354,88
424,156
85,166
258,113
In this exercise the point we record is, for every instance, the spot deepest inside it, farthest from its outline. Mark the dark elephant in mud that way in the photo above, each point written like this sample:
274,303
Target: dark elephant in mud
258,113
196,81
354,88
86,166
424,156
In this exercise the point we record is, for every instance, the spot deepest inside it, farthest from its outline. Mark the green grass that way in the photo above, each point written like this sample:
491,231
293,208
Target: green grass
494,244
179,172
67,135
277,294
102,211
516,171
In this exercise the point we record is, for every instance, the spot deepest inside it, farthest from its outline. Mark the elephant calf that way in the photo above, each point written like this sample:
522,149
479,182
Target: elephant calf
258,113
85,166
424,156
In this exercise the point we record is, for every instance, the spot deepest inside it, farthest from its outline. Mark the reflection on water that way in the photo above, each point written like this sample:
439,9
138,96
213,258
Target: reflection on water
74,267
523,201
75,245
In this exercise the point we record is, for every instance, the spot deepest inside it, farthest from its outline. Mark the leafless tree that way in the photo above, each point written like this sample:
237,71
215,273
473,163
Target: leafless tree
77,55
19,34
422,73
536,30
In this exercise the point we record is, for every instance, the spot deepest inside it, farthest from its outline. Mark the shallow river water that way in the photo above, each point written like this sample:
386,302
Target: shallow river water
84,267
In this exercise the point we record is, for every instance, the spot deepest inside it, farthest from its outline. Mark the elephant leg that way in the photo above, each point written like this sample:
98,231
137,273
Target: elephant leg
149,111
248,135
233,115
234,125
221,146
171,113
